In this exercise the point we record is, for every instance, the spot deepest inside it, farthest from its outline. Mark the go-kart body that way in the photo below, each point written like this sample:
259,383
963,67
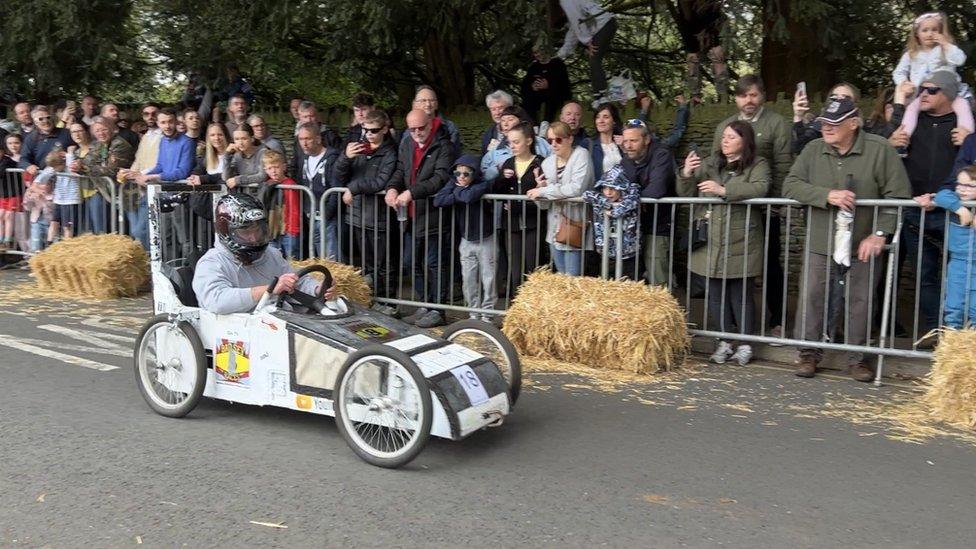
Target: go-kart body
389,384
291,360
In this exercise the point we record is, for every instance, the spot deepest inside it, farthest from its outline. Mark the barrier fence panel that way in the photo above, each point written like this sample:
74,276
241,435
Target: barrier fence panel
39,208
750,272
14,221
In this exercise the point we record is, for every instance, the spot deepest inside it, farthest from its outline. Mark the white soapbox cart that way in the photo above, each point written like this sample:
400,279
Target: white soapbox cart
388,384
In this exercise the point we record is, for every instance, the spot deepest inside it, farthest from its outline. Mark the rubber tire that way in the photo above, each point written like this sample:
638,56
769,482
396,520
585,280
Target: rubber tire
513,357
410,366
201,367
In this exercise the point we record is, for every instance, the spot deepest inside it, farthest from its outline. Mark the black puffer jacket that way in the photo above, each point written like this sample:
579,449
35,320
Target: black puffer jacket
366,176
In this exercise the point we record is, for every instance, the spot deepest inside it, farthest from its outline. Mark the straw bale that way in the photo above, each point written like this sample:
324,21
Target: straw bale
98,266
951,385
613,325
349,281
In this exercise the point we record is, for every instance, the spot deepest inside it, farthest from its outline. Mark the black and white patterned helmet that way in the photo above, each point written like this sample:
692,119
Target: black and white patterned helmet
242,226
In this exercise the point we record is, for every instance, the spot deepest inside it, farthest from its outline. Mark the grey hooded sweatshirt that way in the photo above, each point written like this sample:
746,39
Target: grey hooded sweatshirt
223,284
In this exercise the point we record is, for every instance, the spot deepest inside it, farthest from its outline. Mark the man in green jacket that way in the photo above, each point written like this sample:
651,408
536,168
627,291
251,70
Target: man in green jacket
847,164
772,143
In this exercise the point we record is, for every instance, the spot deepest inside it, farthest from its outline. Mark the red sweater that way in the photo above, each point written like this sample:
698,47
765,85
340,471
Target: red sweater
293,209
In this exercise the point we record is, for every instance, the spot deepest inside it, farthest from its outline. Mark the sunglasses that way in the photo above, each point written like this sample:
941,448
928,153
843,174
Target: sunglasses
418,129
931,90
43,118
459,173
555,140
375,130
636,123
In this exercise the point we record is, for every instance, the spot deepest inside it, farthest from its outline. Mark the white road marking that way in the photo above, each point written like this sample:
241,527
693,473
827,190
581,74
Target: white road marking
114,351
100,323
89,336
8,341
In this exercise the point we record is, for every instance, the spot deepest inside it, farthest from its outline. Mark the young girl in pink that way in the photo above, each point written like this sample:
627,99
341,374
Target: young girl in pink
931,48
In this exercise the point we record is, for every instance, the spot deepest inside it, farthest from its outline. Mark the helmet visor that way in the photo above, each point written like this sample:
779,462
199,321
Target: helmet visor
251,234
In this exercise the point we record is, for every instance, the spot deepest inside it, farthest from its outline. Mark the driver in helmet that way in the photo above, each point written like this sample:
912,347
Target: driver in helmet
233,275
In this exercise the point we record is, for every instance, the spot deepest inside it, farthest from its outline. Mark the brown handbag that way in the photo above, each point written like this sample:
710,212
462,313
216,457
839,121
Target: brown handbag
570,232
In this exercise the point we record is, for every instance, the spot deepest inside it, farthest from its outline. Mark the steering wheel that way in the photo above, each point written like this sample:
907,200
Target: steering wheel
314,302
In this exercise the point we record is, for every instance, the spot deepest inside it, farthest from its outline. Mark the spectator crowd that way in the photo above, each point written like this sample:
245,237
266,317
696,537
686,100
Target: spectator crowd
418,192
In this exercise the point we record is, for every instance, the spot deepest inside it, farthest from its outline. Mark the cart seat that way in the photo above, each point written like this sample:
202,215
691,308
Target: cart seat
181,276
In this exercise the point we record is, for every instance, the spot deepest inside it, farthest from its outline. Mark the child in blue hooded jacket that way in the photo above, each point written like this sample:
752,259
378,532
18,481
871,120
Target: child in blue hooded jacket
618,196
475,222
960,298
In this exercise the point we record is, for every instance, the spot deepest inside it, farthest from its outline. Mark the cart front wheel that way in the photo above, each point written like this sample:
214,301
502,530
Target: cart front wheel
171,368
383,406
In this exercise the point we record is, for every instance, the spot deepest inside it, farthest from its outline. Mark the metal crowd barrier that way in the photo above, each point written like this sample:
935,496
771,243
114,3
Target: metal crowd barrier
33,219
387,248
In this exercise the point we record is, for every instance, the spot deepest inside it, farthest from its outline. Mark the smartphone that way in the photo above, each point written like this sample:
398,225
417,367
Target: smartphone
801,88
694,148
367,147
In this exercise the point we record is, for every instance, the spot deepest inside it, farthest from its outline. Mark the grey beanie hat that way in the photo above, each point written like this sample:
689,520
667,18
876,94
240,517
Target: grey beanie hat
947,81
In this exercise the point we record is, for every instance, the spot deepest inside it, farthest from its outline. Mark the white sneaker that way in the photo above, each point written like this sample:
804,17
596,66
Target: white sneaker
742,354
487,318
722,352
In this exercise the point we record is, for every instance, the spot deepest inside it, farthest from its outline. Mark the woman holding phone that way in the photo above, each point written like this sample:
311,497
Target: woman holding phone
731,254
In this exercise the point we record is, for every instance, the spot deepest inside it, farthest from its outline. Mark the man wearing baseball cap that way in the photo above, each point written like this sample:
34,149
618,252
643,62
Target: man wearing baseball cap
845,165
932,150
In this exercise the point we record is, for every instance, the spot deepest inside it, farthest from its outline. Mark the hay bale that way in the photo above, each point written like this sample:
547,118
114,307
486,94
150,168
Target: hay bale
349,281
951,393
615,325
100,266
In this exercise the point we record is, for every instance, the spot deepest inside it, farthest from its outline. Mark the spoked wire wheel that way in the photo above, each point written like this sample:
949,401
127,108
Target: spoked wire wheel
488,341
383,406
170,365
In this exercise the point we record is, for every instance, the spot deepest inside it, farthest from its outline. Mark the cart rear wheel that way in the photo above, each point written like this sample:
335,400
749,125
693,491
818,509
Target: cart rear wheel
171,368
489,341
383,406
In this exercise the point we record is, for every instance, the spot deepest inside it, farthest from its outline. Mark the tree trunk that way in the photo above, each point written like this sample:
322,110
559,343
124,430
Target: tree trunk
447,72
800,56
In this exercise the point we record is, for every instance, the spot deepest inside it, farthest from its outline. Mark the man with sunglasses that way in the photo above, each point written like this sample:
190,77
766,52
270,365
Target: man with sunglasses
148,151
650,164
932,151
423,167
44,139
365,168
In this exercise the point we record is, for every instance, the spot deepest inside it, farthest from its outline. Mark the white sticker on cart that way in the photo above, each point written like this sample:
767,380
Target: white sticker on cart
471,384
412,342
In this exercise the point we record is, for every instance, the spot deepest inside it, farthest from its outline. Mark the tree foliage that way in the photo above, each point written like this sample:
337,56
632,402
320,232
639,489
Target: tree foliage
328,49
54,47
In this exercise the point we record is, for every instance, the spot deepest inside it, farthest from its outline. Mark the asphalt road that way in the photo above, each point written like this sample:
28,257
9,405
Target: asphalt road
735,457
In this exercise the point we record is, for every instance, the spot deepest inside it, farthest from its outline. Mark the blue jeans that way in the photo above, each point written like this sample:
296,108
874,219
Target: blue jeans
331,238
432,256
138,220
95,214
567,261
38,234
290,246
930,274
